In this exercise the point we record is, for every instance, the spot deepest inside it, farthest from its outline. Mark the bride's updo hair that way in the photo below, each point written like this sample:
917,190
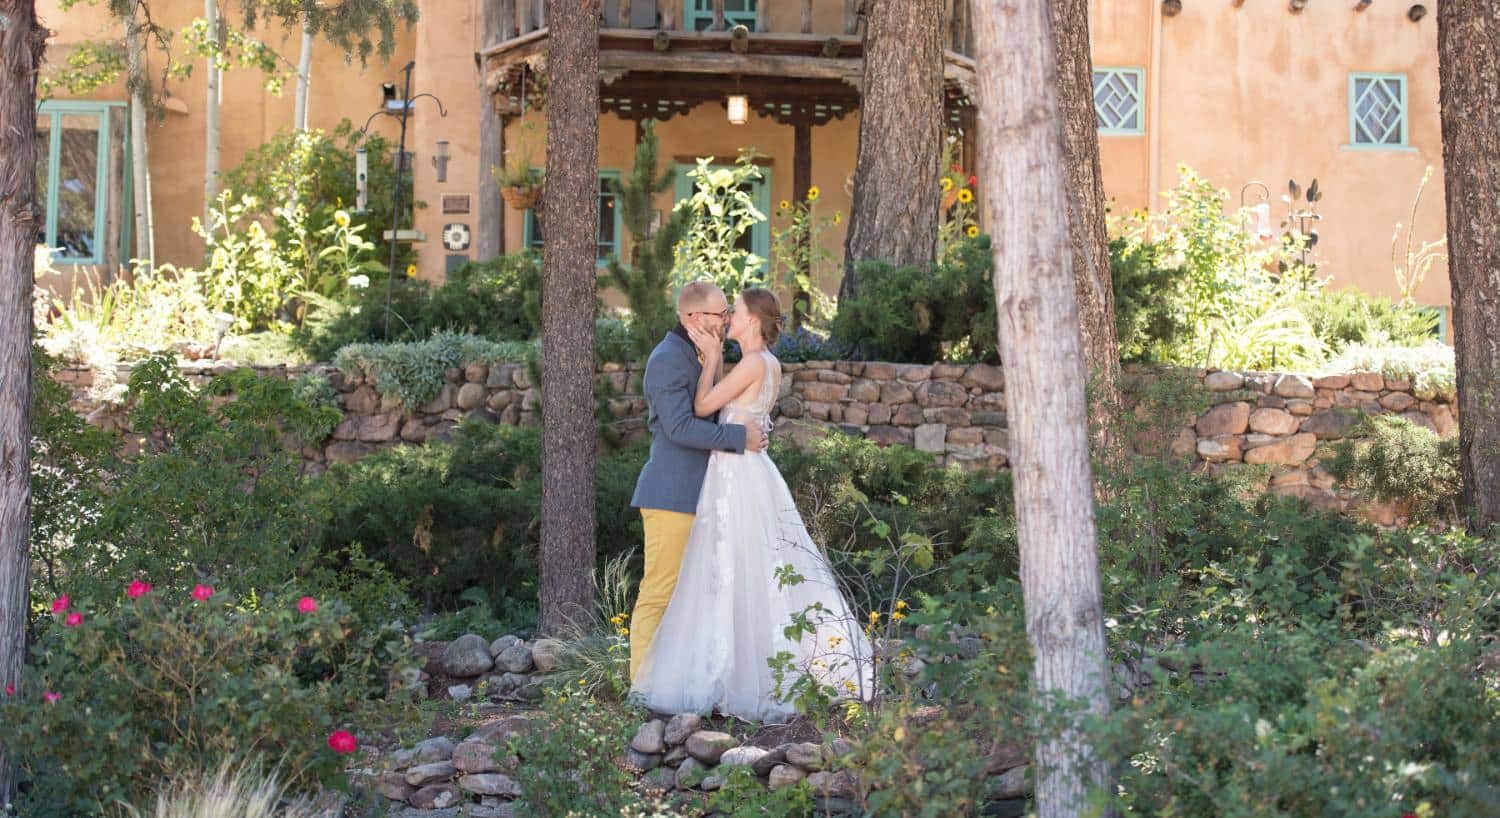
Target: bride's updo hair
762,304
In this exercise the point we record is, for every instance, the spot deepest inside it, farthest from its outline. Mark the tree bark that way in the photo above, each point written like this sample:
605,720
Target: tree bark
21,42
140,165
211,115
1022,159
1088,238
304,77
1468,53
568,304
894,215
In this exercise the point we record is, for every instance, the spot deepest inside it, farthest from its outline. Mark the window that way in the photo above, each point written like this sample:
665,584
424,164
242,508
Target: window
1117,100
700,14
610,224
1377,110
758,238
81,178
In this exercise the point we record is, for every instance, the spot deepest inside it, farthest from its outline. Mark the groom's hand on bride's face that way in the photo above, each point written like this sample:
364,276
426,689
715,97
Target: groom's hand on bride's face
755,439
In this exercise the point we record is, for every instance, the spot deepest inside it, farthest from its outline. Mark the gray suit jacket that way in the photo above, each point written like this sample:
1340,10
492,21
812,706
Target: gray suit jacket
680,441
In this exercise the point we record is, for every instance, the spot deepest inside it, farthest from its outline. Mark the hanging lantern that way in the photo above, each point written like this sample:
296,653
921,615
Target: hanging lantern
739,109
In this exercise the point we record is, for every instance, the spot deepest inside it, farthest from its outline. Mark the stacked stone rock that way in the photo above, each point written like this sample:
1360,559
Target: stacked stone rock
470,777
507,669
956,412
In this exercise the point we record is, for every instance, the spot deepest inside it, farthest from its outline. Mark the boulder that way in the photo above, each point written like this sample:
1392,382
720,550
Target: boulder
1223,381
1330,424
467,656
515,659
490,784
1294,449
784,775
690,774
546,654
424,774
931,437
436,796
470,396
393,785
708,746
1367,381
742,756
833,785
681,726
649,737
1293,386
499,645
642,761
1013,783
1225,419
1272,422
479,756
806,754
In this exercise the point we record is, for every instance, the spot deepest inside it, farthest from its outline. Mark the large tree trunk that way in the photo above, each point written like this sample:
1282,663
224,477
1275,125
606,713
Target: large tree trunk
1086,231
1468,51
140,165
21,41
1022,159
894,216
571,203
499,19
211,115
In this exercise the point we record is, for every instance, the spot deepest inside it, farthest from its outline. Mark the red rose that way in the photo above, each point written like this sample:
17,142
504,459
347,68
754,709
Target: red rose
10,690
307,605
138,589
74,619
202,592
973,182
61,604
342,742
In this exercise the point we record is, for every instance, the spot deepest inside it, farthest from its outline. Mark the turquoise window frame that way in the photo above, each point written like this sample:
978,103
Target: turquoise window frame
1140,99
760,234
1400,79
528,225
703,10
56,110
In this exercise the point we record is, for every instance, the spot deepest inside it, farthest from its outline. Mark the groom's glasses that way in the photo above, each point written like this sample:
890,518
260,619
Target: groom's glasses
724,314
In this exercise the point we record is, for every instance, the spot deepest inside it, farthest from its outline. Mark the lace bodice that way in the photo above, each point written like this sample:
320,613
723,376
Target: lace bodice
757,410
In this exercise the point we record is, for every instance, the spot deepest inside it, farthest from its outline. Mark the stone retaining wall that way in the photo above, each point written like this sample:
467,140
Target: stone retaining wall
957,412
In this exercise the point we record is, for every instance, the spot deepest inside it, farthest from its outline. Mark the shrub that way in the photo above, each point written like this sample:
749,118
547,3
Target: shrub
1148,319
117,701
1429,368
411,372
720,211
1405,464
498,299
571,768
1348,317
230,792
803,344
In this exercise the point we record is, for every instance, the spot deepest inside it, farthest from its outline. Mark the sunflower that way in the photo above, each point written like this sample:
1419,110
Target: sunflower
812,193
411,271
947,184
966,195
972,232
786,205
341,218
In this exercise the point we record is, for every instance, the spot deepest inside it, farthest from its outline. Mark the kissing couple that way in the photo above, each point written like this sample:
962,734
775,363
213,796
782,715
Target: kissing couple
729,563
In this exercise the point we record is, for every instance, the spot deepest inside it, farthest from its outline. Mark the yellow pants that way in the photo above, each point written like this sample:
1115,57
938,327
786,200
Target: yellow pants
666,538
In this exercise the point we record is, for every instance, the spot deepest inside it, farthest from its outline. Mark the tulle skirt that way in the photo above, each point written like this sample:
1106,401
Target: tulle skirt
749,571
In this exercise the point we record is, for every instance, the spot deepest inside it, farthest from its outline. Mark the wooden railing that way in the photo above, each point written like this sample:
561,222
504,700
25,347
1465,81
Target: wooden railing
521,17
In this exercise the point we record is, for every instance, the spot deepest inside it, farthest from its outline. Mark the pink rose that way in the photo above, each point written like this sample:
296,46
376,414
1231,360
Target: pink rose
74,619
202,592
61,604
342,742
138,589
51,697
10,690
307,605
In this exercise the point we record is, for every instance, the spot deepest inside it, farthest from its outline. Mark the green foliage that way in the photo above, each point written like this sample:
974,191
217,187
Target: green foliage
799,259
647,278
719,212
911,314
444,515
569,769
411,372
479,617
233,791
1349,317
742,794
1404,464
142,689
1429,368
1148,319
618,340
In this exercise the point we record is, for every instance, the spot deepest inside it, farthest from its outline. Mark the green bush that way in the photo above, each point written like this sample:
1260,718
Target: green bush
135,691
915,314
412,371
570,768
1402,463
1343,318
1149,321
445,515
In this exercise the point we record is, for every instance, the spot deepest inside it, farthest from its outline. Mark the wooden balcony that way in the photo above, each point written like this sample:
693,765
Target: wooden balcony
658,58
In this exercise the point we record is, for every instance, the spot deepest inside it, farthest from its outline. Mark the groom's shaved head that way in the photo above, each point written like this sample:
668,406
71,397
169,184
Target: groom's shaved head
700,295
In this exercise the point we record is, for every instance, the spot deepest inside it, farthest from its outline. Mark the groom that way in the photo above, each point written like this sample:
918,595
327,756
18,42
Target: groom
667,490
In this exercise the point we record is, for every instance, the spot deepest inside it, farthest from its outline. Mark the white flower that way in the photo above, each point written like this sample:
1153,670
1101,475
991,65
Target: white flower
359,282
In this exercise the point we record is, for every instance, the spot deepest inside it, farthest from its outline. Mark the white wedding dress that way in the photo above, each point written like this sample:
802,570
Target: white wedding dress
730,612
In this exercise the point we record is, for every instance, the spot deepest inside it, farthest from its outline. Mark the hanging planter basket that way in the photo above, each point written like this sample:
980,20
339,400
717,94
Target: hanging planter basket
521,198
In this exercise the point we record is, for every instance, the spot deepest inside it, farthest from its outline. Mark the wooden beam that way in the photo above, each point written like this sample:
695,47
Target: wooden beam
774,65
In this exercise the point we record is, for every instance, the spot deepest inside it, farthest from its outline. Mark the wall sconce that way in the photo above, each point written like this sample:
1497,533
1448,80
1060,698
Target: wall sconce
440,160
739,109
1171,8
1416,12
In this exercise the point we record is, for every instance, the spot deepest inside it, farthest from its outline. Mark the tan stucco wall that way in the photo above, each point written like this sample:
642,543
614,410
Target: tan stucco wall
1254,93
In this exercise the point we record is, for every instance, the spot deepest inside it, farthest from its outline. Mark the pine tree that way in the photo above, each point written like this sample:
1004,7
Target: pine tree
645,281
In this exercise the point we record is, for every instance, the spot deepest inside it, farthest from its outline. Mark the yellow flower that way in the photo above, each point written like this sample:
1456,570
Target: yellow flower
947,184
341,218
624,631
874,617
812,193
786,205
849,686
582,682
966,195
898,616
411,271
838,217
900,604
833,641
973,231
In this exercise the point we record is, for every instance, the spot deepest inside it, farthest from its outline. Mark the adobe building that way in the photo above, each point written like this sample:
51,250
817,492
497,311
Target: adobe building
1242,92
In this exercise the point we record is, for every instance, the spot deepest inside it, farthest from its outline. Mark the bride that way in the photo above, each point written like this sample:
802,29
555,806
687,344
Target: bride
750,567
